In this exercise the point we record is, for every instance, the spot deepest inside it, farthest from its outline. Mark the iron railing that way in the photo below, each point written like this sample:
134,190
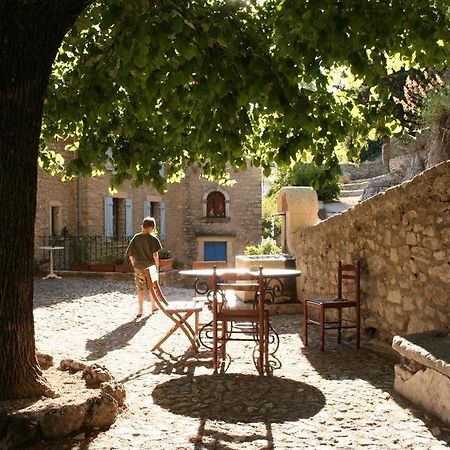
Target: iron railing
84,250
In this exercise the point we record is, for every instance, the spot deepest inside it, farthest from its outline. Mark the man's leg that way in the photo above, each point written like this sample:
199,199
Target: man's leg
140,297
141,287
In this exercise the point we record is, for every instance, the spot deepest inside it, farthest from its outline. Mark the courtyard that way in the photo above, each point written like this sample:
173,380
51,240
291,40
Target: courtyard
341,399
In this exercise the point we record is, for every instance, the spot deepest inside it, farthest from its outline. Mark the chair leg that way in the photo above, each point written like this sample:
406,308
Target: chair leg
339,325
262,347
223,338
322,328
215,345
305,323
266,343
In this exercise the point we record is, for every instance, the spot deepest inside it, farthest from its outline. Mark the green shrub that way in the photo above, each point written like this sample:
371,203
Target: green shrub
268,246
321,179
271,222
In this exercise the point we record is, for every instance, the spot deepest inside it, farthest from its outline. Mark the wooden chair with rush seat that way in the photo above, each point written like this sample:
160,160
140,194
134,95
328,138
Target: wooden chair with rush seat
237,323
346,272
177,311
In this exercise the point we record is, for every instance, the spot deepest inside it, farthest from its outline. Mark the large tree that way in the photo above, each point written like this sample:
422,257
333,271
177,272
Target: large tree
205,82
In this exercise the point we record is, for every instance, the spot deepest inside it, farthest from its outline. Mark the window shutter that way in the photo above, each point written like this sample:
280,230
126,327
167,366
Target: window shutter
147,208
109,230
162,223
129,216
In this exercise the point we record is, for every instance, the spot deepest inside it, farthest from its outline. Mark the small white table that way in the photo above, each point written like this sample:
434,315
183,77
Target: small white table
51,250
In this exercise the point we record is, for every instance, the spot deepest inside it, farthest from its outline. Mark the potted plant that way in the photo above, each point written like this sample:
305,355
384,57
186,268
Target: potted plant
121,265
165,260
78,253
105,263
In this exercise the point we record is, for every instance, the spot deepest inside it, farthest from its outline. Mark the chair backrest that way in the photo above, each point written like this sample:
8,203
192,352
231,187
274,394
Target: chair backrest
209,264
239,280
152,279
350,272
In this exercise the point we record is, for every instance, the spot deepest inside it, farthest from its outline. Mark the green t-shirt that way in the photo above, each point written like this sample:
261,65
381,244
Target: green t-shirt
141,247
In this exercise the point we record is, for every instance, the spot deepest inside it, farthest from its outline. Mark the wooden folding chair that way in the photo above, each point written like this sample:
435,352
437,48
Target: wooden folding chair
225,317
177,311
346,272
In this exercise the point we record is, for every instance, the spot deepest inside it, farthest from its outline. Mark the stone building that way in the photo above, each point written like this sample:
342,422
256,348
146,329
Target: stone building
197,219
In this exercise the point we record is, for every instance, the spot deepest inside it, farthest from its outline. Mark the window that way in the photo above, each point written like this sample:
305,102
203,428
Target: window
118,217
56,220
215,204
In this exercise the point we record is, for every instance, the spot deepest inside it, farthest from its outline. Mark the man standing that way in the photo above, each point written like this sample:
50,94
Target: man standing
143,252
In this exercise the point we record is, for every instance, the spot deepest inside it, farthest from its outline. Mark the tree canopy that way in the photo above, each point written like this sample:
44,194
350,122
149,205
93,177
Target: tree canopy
205,82
212,82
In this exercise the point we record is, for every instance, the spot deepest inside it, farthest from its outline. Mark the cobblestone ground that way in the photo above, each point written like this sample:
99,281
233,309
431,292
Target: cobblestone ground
341,399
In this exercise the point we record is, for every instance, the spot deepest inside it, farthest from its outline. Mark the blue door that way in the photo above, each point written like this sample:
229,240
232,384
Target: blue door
215,251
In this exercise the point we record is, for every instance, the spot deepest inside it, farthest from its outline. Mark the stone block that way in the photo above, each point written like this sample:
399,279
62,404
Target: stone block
424,374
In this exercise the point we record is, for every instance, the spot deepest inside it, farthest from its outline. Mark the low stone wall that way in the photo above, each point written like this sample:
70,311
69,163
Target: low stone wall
423,376
402,238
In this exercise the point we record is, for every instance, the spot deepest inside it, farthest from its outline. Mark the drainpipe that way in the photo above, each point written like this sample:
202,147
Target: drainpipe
79,224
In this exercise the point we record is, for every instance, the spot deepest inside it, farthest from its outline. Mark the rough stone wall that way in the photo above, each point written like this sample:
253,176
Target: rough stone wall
95,189
52,191
186,224
190,227
402,238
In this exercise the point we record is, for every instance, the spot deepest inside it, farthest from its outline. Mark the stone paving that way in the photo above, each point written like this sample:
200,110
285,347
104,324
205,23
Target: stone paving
341,399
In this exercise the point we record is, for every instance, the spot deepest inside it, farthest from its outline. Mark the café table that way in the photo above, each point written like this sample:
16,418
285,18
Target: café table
269,275
51,249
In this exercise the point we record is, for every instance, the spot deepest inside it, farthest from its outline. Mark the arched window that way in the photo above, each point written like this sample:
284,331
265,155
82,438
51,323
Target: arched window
215,204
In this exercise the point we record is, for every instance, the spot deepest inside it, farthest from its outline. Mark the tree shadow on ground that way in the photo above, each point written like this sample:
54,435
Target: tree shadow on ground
168,364
211,438
345,362
240,398
115,339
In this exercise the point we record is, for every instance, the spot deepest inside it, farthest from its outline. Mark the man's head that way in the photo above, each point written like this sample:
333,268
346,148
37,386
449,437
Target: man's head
148,223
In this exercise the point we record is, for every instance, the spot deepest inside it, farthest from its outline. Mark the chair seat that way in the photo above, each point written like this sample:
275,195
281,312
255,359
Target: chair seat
239,314
332,302
184,306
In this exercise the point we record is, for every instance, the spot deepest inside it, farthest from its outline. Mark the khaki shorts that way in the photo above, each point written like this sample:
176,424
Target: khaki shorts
139,279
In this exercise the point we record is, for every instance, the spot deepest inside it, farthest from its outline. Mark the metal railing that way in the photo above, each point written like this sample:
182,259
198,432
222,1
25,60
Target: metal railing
84,250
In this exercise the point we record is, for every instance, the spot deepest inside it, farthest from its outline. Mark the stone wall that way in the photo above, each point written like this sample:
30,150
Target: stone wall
190,226
81,203
402,238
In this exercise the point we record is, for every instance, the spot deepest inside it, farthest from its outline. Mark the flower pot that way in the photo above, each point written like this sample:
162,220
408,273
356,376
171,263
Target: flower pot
79,267
124,268
165,264
101,267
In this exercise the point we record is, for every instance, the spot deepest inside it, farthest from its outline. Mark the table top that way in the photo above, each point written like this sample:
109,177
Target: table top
267,272
48,247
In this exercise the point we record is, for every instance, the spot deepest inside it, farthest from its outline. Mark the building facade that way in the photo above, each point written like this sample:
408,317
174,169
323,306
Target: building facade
197,219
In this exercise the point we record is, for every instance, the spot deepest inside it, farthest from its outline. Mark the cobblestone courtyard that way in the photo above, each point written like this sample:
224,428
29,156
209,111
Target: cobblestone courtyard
341,399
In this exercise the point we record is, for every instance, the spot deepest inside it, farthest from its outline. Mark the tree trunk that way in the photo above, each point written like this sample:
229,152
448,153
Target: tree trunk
30,35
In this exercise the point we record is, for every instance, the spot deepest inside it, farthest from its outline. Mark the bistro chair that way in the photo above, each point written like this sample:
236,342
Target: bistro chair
239,323
177,311
347,274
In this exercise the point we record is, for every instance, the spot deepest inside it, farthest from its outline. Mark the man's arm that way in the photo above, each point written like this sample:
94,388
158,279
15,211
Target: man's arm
156,258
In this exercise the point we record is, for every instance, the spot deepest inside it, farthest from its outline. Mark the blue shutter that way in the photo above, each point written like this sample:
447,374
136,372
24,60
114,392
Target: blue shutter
162,220
129,216
215,251
147,208
109,229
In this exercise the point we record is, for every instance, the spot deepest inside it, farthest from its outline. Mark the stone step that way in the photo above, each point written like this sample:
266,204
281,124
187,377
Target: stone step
352,193
354,185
